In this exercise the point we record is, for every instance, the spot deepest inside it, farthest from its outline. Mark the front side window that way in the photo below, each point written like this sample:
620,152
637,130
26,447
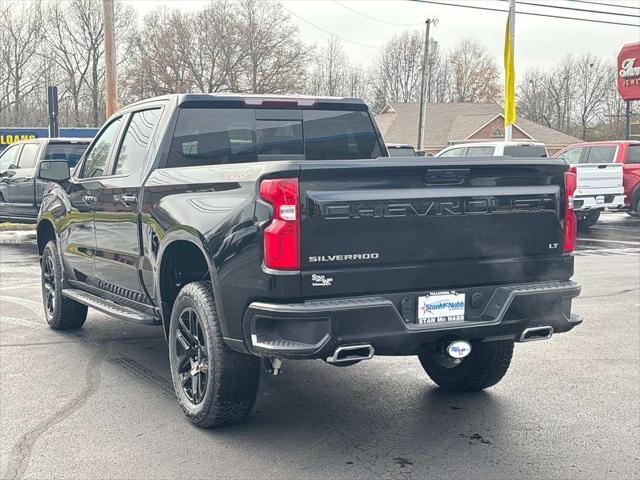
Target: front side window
213,136
29,155
602,154
480,151
98,156
9,158
133,150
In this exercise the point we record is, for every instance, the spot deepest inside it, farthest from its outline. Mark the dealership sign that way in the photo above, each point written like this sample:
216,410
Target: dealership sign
629,72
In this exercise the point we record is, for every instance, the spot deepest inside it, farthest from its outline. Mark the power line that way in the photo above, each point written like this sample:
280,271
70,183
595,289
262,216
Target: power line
328,32
546,15
520,2
615,5
377,19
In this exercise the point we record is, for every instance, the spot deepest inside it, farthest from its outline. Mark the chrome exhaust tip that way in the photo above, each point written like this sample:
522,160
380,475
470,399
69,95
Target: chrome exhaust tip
536,333
351,353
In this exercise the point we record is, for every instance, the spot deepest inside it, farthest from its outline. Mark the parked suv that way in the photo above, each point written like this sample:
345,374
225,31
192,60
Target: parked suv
496,149
256,229
25,169
626,152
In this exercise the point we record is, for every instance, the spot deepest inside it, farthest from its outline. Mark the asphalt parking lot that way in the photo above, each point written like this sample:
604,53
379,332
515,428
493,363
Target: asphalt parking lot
98,403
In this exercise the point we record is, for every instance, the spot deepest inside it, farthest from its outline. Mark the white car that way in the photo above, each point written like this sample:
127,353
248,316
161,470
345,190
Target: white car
495,149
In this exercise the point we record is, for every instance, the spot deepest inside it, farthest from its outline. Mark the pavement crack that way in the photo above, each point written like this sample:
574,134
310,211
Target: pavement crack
21,451
610,294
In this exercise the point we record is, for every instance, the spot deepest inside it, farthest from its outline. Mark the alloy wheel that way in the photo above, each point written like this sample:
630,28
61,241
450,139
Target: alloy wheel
49,284
191,356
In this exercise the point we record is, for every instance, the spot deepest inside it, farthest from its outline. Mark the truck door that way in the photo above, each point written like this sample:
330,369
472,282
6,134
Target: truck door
21,185
8,167
77,235
118,250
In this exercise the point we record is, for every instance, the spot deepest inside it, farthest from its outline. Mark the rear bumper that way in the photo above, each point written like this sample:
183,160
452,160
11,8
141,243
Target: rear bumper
585,203
315,328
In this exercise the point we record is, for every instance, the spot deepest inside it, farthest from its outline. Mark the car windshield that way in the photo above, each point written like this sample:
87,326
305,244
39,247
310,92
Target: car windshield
210,136
401,152
71,152
525,151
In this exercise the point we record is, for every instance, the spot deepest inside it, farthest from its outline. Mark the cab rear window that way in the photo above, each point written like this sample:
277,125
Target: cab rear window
525,151
71,152
214,136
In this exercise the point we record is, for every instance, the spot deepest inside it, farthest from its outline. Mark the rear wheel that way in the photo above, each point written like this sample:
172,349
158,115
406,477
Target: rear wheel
485,366
587,219
61,312
214,385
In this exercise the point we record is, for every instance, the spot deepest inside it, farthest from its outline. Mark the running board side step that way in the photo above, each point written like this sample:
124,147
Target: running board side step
107,306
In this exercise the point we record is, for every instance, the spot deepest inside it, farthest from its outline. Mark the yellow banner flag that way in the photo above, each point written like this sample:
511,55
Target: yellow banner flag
509,78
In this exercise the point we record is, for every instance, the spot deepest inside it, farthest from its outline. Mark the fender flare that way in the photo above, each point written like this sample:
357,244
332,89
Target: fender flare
183,235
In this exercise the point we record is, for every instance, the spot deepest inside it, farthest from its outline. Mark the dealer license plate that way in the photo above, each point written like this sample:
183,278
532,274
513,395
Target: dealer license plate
436,307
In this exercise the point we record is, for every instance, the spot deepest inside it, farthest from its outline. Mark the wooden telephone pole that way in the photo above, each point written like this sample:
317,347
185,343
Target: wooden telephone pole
110,57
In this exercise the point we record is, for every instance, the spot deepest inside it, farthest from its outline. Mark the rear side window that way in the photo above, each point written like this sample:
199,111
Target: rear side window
572,155
633,154
210,136
136,141
454,152
71,152
480,151
602,154
525,151
29,155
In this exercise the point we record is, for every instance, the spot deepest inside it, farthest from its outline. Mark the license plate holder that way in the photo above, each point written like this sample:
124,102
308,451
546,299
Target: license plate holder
441,307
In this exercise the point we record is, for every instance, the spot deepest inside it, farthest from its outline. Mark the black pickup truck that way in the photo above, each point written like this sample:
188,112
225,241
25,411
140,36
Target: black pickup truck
27,167
256,229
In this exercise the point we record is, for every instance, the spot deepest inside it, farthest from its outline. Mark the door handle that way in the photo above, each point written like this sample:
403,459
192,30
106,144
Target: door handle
88,199
128,199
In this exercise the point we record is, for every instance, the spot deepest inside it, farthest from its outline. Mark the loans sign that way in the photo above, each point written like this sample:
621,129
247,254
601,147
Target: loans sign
629,71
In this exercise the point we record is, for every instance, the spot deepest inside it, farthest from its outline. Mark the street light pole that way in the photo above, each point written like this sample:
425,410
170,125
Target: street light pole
423,87
109,58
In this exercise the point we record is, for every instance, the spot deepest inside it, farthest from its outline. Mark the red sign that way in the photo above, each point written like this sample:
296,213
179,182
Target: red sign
629,71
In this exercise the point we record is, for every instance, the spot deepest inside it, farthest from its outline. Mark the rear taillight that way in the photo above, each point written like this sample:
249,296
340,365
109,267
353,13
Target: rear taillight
570,221
281,239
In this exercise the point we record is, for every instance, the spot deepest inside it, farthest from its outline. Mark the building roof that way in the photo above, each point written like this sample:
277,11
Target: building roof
449,123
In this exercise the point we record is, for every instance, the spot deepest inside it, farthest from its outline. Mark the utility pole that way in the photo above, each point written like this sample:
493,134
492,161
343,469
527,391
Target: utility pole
423,86
52,108
110,57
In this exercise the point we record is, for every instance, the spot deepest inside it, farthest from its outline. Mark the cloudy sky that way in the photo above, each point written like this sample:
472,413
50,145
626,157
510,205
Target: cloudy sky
364,26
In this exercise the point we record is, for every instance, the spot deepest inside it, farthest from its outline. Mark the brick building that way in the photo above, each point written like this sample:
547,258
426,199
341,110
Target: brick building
453,123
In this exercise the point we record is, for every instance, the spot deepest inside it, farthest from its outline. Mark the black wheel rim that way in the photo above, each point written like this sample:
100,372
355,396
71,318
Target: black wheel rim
49,285
191,356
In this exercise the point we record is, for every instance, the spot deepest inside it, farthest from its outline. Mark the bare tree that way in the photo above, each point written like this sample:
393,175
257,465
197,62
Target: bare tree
274,58
592,75
475,75
20,38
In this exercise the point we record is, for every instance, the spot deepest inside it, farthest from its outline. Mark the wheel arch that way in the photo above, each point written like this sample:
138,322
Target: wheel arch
195,264
45,232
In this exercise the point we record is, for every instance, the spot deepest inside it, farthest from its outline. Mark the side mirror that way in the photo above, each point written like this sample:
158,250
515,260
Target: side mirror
54,171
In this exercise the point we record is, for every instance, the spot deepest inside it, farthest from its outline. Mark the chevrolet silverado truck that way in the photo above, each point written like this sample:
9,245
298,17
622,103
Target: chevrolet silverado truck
27,167
600,180
259,229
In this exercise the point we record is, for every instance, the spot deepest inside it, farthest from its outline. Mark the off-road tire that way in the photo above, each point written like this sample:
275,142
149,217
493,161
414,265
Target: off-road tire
61,312
588,220
485,366
232,377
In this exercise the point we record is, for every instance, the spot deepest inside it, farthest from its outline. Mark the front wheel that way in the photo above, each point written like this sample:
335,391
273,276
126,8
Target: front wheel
61,312
587,219
485,366
214,385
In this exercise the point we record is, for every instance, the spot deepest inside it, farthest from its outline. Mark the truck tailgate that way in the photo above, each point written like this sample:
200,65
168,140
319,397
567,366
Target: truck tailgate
599,179
400,225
